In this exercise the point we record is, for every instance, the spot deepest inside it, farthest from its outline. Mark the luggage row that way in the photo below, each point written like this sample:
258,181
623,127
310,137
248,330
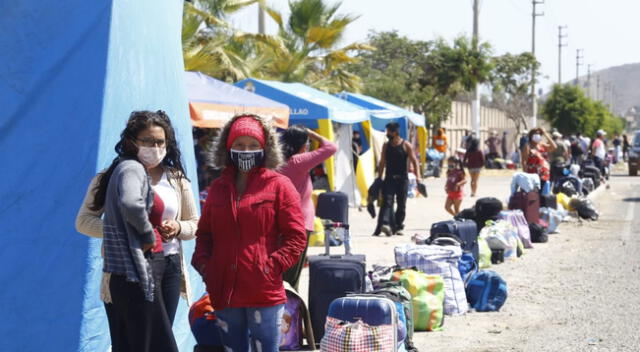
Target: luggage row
443,272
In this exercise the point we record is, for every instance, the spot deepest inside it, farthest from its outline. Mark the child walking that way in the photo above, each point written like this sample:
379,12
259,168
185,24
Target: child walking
455,180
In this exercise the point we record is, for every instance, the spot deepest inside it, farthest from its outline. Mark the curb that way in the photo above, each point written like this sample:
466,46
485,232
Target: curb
597,192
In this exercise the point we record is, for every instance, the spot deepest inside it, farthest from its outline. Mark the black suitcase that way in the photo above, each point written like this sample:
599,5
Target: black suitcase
549,201
333,206
487,208
331,277
466,230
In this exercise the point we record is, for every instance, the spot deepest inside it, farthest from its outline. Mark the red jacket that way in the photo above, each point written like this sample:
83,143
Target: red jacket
243,247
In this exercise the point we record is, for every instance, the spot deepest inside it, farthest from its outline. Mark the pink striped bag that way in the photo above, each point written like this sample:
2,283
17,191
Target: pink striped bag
344,336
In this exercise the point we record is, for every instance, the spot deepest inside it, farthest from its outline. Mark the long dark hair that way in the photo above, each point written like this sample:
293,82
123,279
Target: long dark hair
126,148
293,139
473,145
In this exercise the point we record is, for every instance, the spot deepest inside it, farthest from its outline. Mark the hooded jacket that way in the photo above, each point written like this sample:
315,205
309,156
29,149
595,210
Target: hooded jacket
243,244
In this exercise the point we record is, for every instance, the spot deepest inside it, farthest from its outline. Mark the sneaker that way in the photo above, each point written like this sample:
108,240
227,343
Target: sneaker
399,233
386,230
375,233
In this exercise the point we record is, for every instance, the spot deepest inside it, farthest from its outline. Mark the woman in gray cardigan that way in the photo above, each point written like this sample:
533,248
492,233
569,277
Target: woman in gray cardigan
143,265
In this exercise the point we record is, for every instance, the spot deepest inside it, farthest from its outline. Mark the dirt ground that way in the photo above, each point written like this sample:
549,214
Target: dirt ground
578,292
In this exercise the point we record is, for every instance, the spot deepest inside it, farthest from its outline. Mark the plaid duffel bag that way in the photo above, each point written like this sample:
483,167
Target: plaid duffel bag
344,336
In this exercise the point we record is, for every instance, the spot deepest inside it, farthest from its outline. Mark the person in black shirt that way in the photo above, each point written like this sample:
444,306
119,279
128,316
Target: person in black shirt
396,153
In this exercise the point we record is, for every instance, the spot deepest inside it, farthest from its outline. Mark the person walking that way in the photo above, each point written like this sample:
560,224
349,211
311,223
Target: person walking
617,149
535,156
396,153
147,206
474,161
454,186
299,163
251,231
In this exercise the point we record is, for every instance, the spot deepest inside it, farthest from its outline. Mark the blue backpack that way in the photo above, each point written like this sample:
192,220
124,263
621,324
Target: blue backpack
486,291
467,266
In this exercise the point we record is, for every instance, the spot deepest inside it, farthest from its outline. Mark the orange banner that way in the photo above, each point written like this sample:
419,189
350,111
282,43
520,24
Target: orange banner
207,115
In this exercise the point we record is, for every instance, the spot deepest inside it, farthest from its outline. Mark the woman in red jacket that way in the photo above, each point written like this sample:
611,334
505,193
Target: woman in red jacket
250,231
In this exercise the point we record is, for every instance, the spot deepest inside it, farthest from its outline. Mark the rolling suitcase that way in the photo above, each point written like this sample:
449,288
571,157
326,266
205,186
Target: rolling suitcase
361,323
333,206
332,277
466,230
529,203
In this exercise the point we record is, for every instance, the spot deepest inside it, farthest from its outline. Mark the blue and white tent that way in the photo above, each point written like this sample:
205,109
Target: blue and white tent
71,72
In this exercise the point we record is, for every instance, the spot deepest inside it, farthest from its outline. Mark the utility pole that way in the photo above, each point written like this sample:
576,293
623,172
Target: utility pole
261,29
579,57
589,80
534,106
560,46
475,104
597,87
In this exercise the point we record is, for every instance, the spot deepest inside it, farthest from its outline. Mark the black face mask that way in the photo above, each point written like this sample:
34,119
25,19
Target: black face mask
390,137
247,160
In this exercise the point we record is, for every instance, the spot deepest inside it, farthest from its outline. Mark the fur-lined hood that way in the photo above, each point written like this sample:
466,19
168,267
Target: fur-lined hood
272,151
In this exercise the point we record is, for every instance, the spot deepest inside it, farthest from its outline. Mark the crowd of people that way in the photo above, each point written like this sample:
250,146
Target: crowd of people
256,217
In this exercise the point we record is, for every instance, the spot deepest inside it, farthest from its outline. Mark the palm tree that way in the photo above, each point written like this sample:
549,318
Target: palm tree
308,52
208,43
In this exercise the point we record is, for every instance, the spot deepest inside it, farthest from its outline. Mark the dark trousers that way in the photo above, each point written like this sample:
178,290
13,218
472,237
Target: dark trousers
394,190
136,324
292,275
170,283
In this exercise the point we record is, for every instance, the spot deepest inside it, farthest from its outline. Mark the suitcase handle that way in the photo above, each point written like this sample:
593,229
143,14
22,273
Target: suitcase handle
329,226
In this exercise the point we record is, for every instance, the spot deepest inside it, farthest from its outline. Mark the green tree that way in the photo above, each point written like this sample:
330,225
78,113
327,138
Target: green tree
570,111
511,86
423,75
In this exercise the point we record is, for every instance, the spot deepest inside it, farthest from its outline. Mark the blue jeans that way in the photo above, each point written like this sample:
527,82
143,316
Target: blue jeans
261,326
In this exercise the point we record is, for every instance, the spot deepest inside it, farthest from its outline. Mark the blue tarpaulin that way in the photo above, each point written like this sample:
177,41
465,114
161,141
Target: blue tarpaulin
71,72
382,112
308,105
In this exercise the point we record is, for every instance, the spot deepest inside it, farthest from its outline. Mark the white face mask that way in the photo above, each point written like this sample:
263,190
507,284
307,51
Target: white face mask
151,157
536,138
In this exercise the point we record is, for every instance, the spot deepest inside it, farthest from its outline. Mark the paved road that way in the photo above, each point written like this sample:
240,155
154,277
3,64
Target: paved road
579,292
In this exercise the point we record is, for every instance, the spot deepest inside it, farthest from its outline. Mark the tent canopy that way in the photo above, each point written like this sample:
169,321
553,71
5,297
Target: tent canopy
382,112
212,102
308,105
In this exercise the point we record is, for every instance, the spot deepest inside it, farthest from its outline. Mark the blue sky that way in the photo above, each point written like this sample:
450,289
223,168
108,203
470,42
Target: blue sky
606,30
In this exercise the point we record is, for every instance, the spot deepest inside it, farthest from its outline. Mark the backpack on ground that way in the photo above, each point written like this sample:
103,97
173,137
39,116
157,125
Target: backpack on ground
427,298
467,266
538,233
437,260
468,213
487,208
298,320
487,291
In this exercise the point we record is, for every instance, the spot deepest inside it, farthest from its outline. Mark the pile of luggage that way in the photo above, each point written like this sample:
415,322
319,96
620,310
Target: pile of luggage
443,272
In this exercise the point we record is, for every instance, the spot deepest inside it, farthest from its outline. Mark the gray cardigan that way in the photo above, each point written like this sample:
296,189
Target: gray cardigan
127,227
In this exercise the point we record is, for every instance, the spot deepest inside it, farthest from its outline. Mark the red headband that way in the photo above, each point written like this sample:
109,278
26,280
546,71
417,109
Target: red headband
246,126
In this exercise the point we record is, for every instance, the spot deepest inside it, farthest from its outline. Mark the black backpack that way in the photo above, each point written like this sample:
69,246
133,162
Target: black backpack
585,208
538,233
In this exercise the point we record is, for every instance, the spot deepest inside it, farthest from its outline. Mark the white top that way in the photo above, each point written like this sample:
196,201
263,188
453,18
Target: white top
170,199
598,146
